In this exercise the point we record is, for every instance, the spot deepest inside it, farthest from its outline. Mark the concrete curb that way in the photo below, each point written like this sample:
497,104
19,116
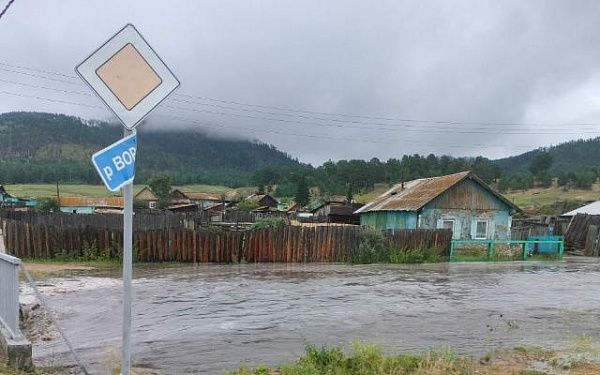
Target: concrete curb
17,352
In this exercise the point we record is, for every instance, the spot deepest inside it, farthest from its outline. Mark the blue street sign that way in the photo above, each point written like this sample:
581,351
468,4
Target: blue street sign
116,163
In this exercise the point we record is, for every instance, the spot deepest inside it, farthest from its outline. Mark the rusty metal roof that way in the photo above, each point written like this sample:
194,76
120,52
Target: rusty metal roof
91,202
198,196
414,195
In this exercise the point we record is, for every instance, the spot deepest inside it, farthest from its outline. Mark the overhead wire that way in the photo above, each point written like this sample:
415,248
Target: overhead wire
10,2
257,130
406,128
299,112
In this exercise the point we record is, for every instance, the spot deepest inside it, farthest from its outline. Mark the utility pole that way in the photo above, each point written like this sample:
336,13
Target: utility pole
57,194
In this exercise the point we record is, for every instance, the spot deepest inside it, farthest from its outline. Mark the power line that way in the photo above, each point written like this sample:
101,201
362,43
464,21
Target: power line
46,88
412,128
51,100
6,8
303,111
405,127
42,77
257,130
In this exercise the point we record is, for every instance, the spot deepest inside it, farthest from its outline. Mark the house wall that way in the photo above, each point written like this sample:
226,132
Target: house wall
324,211
466,220
466,203
146,195
206,203
78,210
389,219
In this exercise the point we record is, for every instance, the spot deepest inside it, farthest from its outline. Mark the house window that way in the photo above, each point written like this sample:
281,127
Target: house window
152,205
448,224
481,230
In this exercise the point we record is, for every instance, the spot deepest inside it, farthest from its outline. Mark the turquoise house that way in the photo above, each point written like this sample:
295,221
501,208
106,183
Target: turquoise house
461,202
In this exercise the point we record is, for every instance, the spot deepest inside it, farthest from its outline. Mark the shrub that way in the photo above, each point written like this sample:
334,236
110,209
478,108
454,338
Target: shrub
48,205
247,205
269,223
372,247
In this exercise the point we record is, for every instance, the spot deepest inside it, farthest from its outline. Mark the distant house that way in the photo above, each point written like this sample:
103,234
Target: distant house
589,209
337,211
203,200
90,205
461,202
263,200
8,200
184,207
147,196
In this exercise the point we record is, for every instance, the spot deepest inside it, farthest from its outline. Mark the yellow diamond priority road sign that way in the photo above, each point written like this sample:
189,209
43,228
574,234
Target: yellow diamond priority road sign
128,76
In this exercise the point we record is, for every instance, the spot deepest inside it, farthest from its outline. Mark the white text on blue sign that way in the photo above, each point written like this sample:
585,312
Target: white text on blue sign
116,163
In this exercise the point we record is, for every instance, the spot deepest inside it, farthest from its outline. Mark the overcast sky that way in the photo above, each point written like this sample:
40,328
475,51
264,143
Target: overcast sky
332,79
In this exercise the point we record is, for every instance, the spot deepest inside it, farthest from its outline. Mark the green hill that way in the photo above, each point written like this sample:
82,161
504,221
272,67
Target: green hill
567,157
44,147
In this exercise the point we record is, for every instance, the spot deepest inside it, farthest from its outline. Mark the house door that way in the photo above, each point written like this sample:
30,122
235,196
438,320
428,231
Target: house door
451,224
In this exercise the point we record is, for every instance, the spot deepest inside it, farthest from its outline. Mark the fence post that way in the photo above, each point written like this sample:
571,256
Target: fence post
490,249
524,250
561,249
451,249
16,347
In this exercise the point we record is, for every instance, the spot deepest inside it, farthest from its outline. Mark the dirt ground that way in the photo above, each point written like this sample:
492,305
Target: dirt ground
56,267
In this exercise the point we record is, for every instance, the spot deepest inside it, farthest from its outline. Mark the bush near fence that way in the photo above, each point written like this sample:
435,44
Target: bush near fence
287,244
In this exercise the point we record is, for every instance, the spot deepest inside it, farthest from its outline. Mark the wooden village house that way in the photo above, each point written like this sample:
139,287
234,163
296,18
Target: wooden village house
263,200
148,197
90,205
336,210
8,200
461,202
202,200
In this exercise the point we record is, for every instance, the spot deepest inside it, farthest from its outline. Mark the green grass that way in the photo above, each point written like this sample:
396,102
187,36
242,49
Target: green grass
367,360
553,200
49,190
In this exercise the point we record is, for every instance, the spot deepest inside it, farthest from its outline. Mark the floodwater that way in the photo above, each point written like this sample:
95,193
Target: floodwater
208,319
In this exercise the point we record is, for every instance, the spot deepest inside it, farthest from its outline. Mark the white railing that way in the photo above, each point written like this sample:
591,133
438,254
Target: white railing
9,295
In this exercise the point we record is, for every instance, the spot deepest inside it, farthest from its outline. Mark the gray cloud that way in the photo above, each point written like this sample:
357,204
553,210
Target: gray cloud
533,65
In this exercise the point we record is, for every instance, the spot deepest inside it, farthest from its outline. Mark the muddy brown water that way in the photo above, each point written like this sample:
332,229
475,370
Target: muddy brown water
209,319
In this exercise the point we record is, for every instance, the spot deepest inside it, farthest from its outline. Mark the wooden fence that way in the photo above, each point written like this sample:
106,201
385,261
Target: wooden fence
583,234
287,244
144,220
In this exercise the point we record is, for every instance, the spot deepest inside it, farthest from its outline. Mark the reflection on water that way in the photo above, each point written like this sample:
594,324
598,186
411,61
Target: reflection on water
205,319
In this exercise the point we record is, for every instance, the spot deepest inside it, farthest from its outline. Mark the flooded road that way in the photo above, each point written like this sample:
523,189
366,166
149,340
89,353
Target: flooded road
208,319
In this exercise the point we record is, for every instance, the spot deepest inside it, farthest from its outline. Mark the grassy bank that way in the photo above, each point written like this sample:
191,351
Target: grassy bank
371,360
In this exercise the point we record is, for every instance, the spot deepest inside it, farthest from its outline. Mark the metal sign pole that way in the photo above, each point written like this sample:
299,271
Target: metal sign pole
127,271
131,80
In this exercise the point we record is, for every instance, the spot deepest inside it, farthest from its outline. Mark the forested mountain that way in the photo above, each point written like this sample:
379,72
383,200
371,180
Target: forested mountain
43,147
573,156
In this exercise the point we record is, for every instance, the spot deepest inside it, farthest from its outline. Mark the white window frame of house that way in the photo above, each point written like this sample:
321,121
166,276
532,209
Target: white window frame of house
487,229
152,205
455,227
444,221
